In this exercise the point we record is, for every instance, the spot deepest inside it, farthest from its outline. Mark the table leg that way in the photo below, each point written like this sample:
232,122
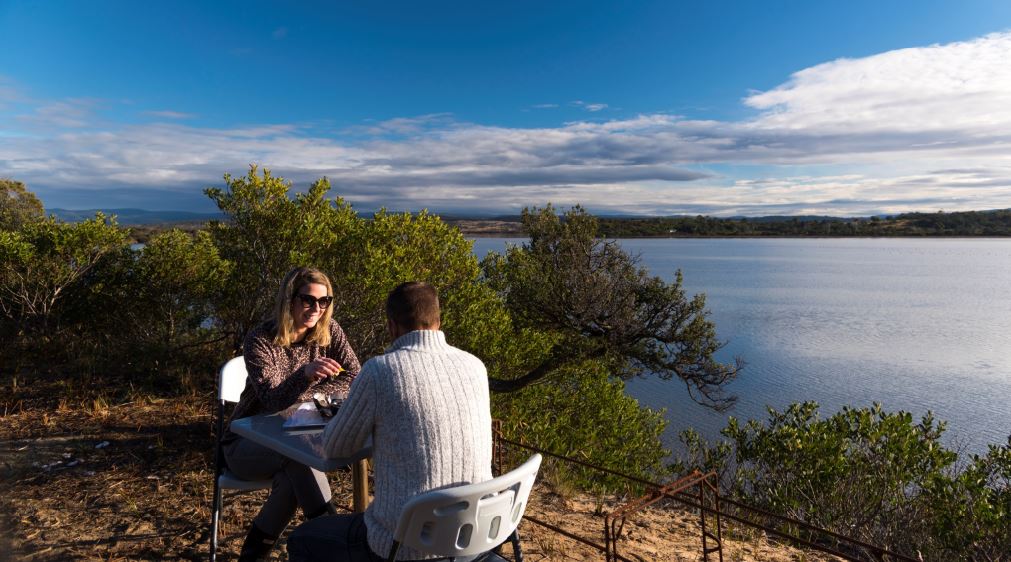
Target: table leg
360,484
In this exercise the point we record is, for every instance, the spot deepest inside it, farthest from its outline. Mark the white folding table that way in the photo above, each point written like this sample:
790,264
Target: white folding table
306,447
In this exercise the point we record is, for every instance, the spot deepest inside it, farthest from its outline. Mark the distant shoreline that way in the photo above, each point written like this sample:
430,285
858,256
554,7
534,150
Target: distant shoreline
764,236
968,224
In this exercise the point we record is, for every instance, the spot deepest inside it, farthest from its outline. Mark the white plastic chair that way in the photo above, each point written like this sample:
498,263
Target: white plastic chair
231,382
468,520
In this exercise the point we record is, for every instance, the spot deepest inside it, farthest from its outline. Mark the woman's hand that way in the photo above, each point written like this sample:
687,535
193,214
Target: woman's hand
322,368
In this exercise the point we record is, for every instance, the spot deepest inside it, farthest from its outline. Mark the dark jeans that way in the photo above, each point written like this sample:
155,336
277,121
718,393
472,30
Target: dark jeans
294,484
341,538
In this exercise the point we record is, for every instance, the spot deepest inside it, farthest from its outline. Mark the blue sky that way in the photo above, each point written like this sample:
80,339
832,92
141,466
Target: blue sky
724,108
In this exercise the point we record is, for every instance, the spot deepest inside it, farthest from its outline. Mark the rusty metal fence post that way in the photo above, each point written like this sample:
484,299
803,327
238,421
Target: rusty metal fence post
706,485
614,522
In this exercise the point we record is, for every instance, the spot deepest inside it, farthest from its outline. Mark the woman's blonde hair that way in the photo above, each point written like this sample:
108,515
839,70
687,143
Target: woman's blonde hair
292,284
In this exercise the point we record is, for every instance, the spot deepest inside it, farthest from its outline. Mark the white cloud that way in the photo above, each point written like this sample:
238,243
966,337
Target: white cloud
403,125
71,113
960,87
169,114
913,129
591,107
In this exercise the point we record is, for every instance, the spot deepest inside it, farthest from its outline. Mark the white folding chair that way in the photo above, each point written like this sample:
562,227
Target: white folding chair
231,381
468,520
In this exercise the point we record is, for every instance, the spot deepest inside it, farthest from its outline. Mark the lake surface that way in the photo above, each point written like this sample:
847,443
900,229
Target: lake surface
915,324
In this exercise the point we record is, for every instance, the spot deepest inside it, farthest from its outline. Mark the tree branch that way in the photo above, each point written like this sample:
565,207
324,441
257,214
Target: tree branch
554,361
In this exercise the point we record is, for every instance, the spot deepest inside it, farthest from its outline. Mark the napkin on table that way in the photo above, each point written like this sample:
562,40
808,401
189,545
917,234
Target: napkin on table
305,414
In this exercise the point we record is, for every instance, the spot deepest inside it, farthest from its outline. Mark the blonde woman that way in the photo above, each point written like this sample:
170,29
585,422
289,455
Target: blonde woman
300,351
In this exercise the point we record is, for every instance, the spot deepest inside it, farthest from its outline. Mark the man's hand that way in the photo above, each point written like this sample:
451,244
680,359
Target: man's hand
322,368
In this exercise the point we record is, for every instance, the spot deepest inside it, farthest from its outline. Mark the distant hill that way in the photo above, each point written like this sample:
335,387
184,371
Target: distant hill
136,216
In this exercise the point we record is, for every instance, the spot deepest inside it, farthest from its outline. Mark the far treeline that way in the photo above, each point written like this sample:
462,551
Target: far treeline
561,321
940,224
968,223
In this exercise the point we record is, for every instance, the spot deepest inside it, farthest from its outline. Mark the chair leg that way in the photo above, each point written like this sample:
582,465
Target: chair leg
215,514
517,550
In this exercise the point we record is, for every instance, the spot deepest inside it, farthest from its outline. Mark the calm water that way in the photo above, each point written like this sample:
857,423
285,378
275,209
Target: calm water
913,324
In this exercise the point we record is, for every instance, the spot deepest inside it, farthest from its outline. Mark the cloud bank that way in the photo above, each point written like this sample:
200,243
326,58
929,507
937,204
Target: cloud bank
912,129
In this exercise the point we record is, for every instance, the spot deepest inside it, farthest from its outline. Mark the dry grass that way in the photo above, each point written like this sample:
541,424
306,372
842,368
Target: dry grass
66,495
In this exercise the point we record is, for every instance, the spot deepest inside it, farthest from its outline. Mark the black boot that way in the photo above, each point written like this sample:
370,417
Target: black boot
327,509
257,545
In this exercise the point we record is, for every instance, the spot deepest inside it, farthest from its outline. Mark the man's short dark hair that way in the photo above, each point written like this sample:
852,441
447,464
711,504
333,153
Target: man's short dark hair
413,305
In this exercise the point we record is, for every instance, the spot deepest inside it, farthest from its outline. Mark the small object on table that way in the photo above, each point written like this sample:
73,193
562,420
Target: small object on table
302,417
328,405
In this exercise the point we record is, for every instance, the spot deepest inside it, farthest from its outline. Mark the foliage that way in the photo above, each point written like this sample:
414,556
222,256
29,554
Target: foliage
698,454
858,470
266,234
164,296
40,263
599,304
18,206
586,415
393,248
867,474
972,512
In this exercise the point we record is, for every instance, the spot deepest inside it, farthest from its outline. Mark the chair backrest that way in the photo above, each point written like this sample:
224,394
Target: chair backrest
468,519
232,379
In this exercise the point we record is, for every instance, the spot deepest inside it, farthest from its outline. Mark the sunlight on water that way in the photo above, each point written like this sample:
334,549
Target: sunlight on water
915,324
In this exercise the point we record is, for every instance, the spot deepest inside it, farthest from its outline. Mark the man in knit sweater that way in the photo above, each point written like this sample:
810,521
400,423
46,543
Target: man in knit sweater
425,405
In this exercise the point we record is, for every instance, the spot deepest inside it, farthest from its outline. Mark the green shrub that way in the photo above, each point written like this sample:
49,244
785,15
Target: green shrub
587,416
41,263
164,298
18,206
867,474
859,472
972,512
265,234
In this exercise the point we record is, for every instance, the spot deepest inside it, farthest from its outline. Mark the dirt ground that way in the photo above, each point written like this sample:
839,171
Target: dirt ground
133,481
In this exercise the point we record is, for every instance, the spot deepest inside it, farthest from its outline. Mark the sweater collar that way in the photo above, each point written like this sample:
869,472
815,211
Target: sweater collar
421,340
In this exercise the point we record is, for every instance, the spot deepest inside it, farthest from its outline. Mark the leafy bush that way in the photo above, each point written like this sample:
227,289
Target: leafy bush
972,512
164,297
587,416
18,206
867,474
378,254
266,233
859,472
41,263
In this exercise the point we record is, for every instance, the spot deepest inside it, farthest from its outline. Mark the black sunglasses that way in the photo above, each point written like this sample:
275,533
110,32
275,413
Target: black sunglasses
308,301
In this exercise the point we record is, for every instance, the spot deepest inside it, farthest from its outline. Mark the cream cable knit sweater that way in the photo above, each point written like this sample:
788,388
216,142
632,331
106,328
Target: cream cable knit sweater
425,405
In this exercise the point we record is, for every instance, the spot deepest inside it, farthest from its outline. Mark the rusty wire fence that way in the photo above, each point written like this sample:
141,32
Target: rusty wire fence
699,492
